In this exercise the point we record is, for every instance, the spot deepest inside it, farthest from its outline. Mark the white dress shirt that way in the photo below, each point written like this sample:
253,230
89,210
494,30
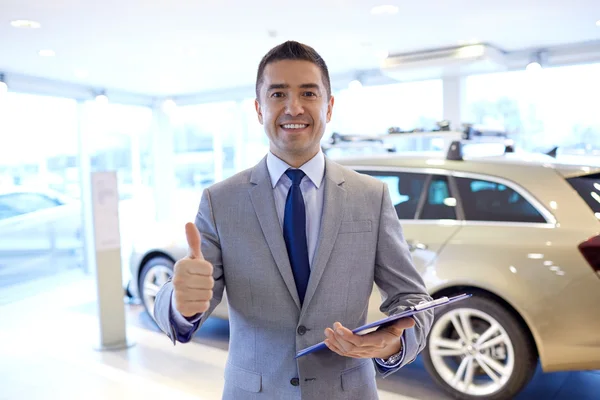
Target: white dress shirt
312,192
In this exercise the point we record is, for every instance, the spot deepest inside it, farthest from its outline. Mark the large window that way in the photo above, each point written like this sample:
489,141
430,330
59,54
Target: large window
541,109
40,217
372,110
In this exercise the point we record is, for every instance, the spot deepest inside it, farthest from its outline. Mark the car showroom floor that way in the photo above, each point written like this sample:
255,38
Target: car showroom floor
47,351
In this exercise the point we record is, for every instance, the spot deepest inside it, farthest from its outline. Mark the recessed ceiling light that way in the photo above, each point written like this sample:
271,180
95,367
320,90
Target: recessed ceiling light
81,73
382,54
47,53
25,23
384,9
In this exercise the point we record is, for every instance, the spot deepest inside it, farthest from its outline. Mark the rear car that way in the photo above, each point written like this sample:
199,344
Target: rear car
520,233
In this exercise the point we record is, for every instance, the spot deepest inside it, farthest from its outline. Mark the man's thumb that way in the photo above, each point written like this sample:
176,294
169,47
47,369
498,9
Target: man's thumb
194,241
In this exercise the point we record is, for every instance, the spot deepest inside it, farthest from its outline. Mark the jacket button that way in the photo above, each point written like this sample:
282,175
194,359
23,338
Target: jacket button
295,382
301,330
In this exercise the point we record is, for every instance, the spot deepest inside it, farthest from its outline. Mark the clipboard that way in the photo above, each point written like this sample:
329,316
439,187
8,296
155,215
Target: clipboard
442,301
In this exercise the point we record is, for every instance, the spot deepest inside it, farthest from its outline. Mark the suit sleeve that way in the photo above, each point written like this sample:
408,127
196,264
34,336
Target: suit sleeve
399,282
164,313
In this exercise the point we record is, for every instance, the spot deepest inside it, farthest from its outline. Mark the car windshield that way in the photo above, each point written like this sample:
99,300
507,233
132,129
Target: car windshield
588,187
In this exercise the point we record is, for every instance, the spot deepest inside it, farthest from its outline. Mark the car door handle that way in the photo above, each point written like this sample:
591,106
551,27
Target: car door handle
414,245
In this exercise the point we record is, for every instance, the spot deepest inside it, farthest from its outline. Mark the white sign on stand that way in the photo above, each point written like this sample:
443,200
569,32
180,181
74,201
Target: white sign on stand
107,242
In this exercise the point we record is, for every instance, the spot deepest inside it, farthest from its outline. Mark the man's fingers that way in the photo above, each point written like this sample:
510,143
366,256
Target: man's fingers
347,335
194,241
194,296
401,325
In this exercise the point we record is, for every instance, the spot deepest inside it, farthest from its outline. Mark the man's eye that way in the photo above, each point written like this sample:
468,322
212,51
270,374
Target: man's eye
277,94
309,94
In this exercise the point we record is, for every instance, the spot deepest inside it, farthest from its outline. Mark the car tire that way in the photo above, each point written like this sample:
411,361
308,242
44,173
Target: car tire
499,345
154,274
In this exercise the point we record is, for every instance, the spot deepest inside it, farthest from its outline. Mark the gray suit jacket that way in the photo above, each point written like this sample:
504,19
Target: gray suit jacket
360,243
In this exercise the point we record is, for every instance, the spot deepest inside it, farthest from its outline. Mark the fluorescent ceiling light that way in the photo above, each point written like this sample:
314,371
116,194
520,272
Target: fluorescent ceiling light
384,9
81,73
25,23
47,53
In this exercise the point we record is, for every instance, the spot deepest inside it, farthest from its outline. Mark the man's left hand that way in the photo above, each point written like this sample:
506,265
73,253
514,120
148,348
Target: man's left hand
382,343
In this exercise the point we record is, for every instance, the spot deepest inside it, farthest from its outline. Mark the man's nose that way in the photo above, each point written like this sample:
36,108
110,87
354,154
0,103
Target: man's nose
294,106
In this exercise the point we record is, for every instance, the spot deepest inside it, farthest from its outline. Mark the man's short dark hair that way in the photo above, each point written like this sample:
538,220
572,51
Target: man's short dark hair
292,50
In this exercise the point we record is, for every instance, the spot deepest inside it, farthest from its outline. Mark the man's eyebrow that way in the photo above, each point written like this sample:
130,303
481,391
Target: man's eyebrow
278,86
309,86
274,86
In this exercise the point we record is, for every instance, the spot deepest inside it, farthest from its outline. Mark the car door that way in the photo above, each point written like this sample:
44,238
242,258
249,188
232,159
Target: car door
436,221
426,210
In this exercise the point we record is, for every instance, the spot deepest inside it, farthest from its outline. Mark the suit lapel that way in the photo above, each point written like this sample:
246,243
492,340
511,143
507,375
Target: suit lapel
261,195
333,211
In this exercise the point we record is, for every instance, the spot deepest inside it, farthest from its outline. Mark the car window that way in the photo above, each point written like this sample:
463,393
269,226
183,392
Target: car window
405,190
23,203
491,201
588,187
439,203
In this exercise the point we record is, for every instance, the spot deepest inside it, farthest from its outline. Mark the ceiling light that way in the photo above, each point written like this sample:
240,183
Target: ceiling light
102,98
81,73
384,9
382,54
25,23
598,23
355,85
47,53
168,106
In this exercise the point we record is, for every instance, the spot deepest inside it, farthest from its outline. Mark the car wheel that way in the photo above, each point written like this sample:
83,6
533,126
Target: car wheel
478,350
155,273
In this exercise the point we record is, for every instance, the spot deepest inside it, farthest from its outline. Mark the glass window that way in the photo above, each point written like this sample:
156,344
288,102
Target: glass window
439,203
374,109
39,156
490,201
588,187
541,109
405,190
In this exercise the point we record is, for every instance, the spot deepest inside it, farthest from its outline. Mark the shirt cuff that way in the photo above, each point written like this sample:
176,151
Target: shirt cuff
398,358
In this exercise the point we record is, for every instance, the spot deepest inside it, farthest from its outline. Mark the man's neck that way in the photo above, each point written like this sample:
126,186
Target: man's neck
295,161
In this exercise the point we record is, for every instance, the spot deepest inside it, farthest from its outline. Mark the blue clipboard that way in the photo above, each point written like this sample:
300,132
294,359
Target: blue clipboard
442,301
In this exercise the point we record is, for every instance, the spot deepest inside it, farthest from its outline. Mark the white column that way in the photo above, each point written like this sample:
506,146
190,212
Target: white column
163,164
454,101
85,183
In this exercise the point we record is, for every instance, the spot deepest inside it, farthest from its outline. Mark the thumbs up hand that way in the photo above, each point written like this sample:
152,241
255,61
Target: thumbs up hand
192,279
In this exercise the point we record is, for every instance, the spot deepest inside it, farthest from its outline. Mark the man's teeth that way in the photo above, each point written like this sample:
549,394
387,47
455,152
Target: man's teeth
295,126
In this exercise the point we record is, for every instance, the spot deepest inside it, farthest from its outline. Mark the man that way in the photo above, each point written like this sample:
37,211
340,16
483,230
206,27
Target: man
298,241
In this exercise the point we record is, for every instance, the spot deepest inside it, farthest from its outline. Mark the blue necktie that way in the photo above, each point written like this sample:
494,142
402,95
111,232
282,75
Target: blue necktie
294,232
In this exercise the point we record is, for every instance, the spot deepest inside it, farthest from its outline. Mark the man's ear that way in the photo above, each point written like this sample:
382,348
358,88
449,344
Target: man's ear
258,111
330,108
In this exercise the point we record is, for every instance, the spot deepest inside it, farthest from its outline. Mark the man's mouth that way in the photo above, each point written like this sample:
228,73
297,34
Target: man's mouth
294,126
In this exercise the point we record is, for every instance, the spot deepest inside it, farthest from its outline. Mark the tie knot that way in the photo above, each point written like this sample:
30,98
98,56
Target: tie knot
295,175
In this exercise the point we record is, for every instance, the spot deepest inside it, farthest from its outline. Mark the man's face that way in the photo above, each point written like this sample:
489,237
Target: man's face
294,108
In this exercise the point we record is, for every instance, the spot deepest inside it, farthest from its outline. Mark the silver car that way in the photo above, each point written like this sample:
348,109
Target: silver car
519,232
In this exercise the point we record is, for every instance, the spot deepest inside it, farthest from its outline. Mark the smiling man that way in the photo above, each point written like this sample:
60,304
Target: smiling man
298,241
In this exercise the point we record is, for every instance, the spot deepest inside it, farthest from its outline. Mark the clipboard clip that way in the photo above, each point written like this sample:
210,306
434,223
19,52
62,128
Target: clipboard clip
436,302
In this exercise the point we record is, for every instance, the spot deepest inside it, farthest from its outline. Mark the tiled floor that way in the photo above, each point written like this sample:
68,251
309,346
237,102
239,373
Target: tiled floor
48,341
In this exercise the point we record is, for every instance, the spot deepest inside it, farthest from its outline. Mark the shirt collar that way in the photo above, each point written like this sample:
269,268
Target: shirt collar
314,168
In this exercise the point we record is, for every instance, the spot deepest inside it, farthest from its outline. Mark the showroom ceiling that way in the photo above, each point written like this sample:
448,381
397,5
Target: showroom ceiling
167,47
